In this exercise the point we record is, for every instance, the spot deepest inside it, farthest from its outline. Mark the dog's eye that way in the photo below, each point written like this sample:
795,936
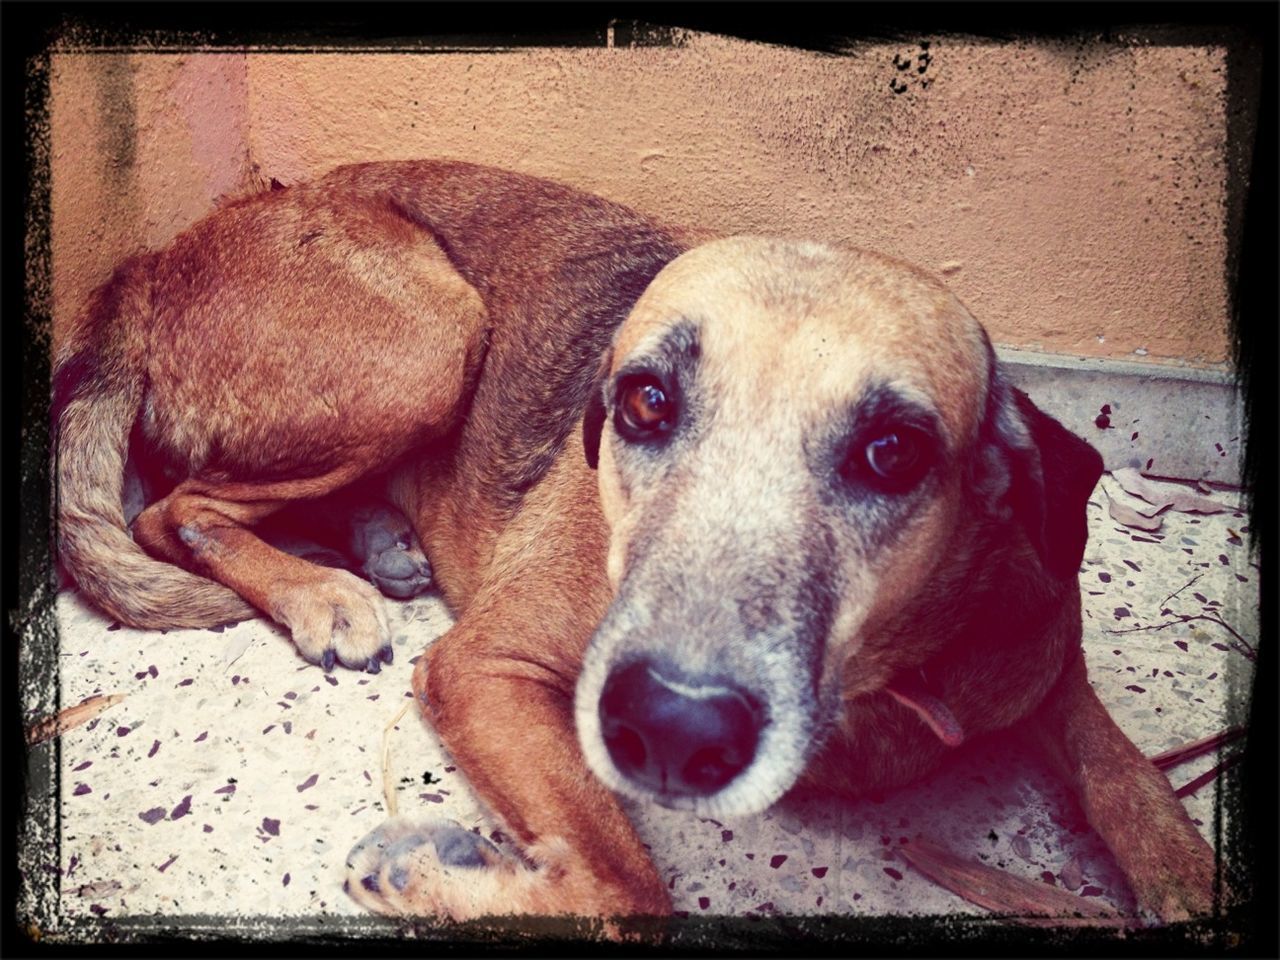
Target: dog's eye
893,461
644,409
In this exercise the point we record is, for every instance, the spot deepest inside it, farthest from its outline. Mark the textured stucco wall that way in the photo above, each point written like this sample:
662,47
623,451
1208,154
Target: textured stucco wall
1072,194
140,148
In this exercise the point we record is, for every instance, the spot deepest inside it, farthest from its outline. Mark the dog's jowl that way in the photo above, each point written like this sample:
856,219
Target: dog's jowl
714,520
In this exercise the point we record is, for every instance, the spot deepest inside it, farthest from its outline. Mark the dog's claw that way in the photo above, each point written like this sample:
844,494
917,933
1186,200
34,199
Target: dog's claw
395,853
337,619
386,654
399,877
376,838
458,847
374,665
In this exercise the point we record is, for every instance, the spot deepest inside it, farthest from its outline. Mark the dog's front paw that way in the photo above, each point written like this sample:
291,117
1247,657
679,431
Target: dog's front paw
1183,892
436,868
335,618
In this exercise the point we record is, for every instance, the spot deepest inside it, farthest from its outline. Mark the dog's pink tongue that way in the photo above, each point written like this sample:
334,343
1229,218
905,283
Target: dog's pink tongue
910,692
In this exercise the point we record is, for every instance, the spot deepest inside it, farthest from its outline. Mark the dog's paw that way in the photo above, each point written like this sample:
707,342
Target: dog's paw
435,868
400,571
336,618
389,552
1186,897
440,869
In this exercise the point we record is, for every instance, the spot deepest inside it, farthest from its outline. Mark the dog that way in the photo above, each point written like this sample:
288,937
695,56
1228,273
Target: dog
715,518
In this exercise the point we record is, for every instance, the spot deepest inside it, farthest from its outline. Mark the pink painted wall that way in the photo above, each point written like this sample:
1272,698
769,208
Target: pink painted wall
1073,196
140,148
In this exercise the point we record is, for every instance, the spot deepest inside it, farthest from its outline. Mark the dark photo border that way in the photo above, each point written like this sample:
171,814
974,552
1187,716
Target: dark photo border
27,32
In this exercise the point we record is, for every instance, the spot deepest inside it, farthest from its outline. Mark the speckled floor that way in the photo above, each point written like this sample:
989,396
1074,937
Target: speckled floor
229,784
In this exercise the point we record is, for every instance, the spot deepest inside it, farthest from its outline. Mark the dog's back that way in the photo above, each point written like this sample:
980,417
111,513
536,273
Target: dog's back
267,311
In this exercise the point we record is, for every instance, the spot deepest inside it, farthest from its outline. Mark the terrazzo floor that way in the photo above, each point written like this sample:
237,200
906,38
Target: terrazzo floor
224,791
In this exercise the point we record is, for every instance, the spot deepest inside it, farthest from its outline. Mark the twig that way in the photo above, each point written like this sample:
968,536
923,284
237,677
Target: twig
1196,748
99,888
1025,901
1248,650
1245,648
1193,785
1181,588
388,788
71,717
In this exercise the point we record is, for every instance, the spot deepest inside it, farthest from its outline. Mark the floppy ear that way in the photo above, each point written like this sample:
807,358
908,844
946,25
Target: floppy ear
1051,474
593,416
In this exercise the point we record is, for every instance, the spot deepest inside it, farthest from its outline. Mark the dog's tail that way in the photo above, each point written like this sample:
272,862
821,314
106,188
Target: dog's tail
97,389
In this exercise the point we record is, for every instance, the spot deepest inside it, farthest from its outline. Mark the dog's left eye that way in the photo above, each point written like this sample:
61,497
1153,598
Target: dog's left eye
644,409
893,461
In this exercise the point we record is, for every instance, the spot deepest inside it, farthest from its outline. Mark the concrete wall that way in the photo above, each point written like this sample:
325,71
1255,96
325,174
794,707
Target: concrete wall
140,147
1073,195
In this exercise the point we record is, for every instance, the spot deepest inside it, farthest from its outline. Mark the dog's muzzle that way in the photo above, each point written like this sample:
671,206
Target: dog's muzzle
678,738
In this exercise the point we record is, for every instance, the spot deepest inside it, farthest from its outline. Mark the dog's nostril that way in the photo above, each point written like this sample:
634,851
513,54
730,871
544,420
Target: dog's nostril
712,767
687,738
625,746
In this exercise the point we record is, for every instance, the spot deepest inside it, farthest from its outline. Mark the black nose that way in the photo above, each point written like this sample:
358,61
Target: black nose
677,737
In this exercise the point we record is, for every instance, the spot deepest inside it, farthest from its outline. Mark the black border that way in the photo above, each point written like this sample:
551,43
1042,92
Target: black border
1250,31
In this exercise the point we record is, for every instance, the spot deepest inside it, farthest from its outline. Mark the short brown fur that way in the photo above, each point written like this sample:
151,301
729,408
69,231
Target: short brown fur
432,332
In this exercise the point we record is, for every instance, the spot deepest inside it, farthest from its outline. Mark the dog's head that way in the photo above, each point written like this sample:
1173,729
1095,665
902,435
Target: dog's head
796,446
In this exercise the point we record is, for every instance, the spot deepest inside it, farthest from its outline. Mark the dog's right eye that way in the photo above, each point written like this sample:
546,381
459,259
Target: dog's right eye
644,409
892,460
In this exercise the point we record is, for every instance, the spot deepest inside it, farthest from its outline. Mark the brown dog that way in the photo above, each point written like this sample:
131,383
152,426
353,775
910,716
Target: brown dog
804,481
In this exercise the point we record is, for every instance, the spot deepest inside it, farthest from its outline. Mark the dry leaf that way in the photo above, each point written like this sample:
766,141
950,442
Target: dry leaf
1027,901
99,888
1190,503
1132,518
1022,847
1162,495
1131,481
1207,777
389,788
1071,876
71,717
237,644
1196,748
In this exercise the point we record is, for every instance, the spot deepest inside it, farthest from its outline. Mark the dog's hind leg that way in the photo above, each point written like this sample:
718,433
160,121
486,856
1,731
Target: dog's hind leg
333,615
383,544
1127,800
498,688
356,529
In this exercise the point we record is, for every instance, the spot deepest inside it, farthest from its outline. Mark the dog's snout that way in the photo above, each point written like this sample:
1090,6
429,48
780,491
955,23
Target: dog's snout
677,738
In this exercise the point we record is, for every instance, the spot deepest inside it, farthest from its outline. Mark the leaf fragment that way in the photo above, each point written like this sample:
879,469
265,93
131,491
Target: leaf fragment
1171,758
71,717
1166,495
1026,901
1132,518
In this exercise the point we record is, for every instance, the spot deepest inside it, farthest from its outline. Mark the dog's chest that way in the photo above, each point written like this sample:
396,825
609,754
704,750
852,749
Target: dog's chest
879,746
